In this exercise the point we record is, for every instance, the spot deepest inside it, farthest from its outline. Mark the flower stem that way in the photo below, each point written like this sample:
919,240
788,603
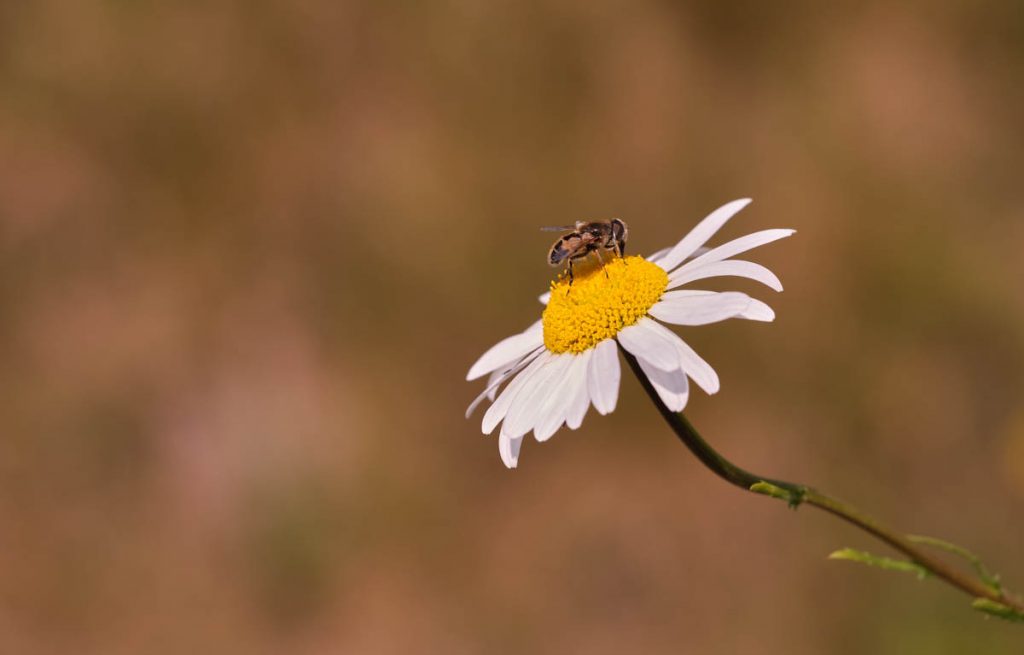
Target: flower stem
797,494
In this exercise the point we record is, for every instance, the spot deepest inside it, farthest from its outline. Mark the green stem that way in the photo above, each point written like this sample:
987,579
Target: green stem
796,494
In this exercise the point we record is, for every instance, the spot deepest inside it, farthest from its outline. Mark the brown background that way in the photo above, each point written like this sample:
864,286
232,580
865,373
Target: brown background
249,249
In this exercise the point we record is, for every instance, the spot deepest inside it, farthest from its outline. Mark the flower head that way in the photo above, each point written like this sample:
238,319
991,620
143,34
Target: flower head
596,307
557,367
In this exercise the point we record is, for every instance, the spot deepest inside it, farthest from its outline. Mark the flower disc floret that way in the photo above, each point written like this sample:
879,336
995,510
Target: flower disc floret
597,305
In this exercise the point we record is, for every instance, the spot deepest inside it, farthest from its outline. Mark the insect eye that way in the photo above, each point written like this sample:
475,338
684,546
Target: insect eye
618,229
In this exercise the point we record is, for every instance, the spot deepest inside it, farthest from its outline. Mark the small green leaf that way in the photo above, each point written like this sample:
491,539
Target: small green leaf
886,563
997,609
794,498
991,580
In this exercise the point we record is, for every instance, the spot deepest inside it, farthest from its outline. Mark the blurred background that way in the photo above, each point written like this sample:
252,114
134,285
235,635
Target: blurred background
248,251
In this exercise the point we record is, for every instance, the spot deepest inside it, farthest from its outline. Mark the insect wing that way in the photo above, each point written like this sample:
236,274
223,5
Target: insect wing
564,248
557,256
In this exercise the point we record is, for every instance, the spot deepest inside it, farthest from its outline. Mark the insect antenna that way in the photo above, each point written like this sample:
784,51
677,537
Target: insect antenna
557,228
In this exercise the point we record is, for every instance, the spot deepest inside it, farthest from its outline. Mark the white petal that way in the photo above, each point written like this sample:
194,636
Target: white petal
672,386
758,311
646,340
684,293
700,234
731,267
691,363
498,377
526,410
549,424
497,411
603,377
700,309
507,350
492,389
581,401
501,372
735,247
698,369
655,256
508,448
559,394
523,409
544,298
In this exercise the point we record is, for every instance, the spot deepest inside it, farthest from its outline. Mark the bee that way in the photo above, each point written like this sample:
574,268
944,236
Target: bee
588,237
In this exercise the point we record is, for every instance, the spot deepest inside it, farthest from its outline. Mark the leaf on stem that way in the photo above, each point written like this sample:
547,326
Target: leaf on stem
768,489
993,608
991,580
887,563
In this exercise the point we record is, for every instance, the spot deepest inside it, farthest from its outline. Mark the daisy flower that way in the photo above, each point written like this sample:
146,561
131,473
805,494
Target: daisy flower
557,367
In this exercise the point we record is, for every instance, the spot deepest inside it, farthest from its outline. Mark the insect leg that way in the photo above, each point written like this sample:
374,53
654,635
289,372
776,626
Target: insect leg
572,259
601,259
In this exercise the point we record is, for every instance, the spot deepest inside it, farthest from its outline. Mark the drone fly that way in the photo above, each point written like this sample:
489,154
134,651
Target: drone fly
588,237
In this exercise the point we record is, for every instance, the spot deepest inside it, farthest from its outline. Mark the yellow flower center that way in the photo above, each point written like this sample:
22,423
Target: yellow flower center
597,306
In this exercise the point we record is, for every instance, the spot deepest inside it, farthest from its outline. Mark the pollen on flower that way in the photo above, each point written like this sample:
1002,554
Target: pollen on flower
597,306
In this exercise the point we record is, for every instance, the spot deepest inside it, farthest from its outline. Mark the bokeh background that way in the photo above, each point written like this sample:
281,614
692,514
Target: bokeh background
248,251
